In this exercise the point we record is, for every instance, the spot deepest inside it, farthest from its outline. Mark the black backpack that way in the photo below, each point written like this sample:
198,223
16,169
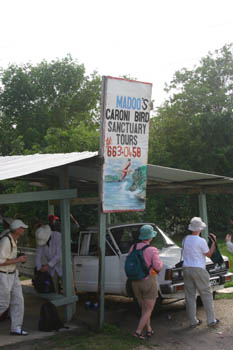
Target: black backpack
216,256
43,282
49,318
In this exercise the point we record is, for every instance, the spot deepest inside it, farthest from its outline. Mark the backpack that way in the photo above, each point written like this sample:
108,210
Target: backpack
43,282
135,265
49,319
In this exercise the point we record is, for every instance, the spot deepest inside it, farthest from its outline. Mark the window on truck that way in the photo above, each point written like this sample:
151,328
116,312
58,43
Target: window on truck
93,250
128,235
125,237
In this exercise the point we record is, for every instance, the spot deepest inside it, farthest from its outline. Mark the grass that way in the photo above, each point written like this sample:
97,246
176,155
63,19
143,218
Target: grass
110,338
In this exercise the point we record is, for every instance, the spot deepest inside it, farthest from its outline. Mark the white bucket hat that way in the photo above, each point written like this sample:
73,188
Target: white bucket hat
196,224
15,224
43,234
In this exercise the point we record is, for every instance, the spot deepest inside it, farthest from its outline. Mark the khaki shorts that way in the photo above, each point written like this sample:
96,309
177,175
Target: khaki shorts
146,288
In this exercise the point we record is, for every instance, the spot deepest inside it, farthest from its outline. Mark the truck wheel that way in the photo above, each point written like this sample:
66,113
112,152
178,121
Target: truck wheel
199,301
158,305
129,289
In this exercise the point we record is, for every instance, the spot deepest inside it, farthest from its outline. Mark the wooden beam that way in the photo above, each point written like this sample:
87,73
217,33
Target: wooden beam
37,196
79,201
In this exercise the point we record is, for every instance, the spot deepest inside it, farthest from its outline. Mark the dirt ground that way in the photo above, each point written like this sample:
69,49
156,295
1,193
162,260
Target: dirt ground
170,326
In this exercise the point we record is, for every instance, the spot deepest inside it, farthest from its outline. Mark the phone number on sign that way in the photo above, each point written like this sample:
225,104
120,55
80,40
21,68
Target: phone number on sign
118,151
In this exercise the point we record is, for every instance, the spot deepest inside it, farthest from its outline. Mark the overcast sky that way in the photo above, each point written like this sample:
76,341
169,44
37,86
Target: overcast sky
147,39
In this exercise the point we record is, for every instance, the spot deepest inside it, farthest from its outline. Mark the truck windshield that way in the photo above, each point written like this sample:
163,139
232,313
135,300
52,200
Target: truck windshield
125,236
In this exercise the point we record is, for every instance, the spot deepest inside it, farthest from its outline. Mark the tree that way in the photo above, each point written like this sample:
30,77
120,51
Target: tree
49,97
193,130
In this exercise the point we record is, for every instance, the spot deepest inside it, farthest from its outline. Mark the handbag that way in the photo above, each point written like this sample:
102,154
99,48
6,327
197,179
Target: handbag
43,282
216,256
180,263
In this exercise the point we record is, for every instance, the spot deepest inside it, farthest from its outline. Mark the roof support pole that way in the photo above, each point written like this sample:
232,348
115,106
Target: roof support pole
50,208
67,275
101,279
203,214
108,218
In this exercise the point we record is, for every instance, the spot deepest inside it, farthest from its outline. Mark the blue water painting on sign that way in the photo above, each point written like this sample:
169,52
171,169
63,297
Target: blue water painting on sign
124,185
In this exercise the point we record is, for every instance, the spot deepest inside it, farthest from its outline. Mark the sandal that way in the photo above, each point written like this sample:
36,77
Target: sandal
139,336
149,333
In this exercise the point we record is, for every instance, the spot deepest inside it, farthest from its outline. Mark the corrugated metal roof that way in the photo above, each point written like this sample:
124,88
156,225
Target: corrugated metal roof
84,169
167,179
17,166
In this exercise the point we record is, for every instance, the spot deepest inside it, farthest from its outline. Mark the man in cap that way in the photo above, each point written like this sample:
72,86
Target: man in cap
53,222
195,251
11,295
146,289
49,247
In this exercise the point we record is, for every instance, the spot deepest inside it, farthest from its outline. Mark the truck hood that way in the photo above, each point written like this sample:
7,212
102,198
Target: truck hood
170,255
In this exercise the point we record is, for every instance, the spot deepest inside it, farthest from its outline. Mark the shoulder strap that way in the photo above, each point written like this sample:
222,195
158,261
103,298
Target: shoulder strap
181,255
6,235
145,246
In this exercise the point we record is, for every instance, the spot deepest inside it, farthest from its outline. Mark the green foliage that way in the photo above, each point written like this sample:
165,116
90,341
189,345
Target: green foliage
43,105
193,131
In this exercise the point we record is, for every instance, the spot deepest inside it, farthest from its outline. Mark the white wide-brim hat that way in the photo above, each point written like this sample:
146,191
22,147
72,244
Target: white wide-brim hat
196,224
43,234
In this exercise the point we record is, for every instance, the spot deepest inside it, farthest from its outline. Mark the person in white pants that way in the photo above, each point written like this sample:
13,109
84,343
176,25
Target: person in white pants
195,250
11,295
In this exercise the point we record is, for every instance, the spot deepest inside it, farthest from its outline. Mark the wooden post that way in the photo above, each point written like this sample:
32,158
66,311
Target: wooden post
66,243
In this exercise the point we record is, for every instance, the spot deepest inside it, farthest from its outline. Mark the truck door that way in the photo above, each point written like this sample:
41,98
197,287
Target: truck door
86,264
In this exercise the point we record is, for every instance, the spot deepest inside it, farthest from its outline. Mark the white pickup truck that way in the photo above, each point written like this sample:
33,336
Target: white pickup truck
118,241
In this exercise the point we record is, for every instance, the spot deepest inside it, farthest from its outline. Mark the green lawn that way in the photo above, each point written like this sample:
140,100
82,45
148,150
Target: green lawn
111,338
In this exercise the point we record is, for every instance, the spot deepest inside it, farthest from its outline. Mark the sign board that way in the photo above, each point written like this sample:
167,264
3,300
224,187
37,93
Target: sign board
124,144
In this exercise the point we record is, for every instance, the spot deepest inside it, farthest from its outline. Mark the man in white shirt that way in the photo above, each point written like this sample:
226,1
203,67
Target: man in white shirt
11,295
196,277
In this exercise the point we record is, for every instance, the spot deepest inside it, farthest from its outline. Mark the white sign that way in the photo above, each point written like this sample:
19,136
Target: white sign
125,133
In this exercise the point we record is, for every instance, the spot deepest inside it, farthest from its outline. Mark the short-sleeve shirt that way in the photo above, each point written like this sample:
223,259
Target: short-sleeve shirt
7,252
194,250
151,256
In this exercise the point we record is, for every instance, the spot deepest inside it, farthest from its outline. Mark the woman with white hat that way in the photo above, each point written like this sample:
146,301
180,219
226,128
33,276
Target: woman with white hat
49,247
195,251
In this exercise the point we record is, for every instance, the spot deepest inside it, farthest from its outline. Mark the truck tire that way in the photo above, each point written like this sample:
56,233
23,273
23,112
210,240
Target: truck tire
199,301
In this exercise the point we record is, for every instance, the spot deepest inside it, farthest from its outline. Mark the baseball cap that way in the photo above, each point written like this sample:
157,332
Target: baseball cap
17,224
53,217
